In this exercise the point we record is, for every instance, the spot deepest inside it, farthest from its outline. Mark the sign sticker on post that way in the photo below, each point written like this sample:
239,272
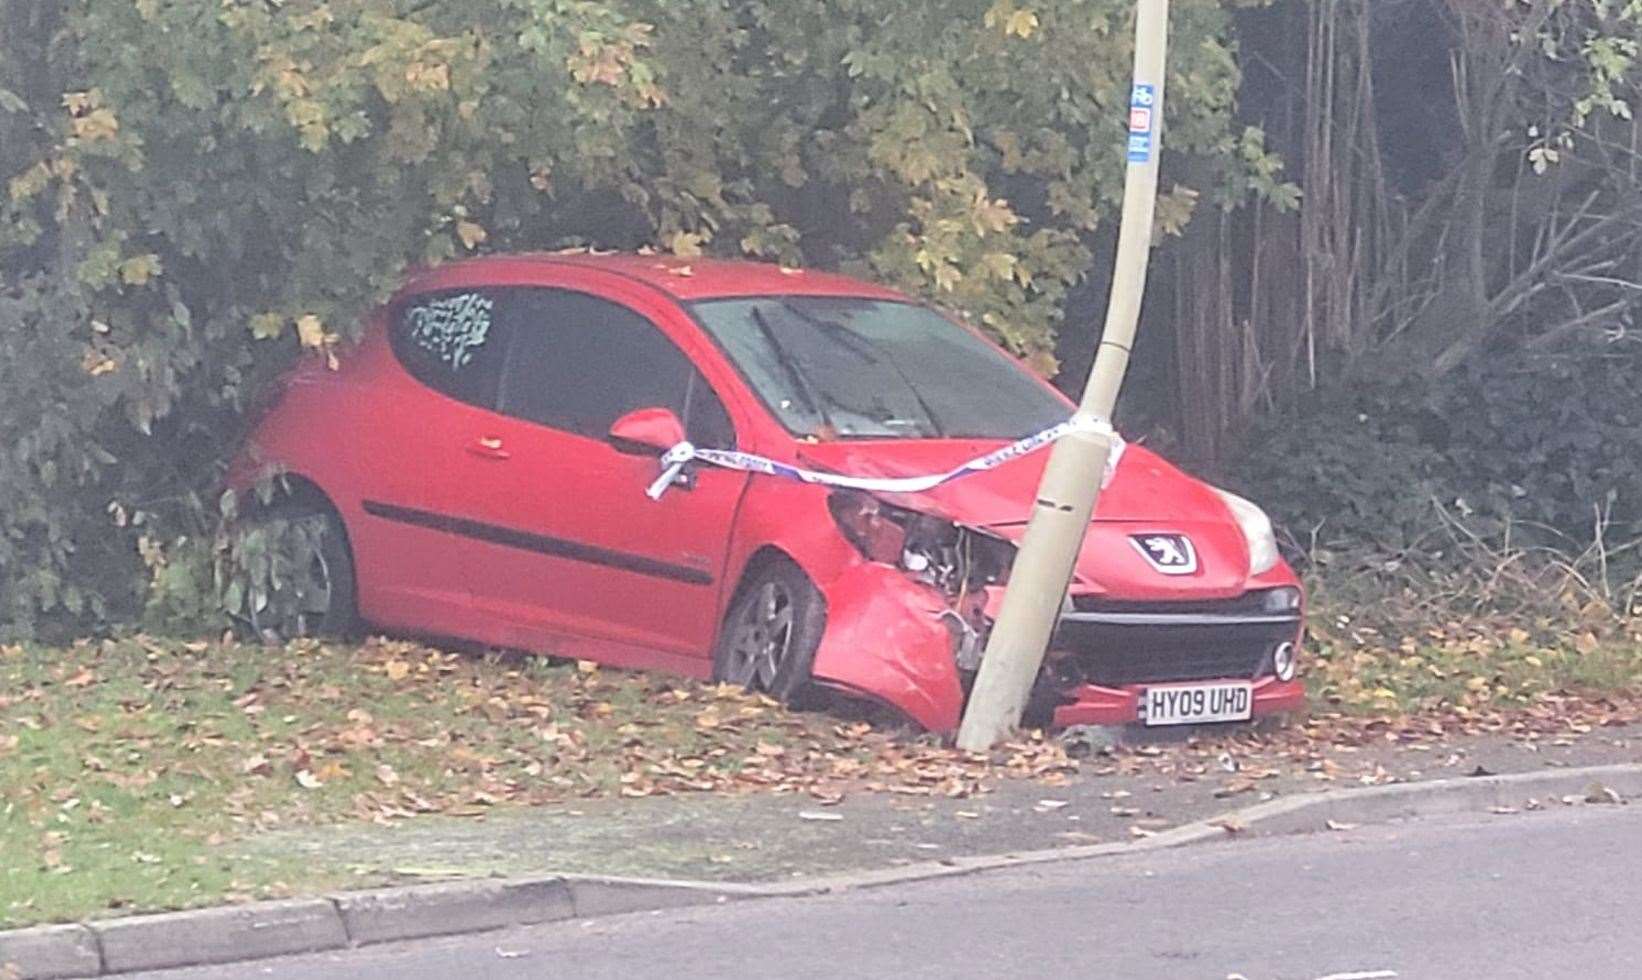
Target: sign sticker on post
1142,123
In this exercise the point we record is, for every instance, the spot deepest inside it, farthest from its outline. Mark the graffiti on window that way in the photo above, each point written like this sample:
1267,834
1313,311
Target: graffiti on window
452,329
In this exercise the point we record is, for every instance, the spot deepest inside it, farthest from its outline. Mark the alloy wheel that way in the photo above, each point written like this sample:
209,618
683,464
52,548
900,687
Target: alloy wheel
762,638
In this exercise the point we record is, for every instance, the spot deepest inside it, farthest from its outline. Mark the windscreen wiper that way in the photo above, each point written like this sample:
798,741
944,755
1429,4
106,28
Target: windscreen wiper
789,366
869,352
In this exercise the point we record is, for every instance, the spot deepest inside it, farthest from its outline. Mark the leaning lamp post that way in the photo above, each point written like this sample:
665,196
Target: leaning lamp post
1065,503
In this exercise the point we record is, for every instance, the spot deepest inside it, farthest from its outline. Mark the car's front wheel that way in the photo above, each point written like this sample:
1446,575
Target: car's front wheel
771,634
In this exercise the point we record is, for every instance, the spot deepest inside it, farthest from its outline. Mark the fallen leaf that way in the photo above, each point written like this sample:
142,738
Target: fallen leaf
1598,793
398,670
1079,837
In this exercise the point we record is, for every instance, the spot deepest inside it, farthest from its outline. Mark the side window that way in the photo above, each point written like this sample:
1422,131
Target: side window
454,342
579,363
705,417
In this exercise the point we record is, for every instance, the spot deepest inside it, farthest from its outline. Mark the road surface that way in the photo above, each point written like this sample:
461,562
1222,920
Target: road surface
1534,895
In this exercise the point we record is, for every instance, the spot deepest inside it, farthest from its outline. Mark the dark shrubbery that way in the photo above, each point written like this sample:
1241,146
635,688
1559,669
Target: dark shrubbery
1539,451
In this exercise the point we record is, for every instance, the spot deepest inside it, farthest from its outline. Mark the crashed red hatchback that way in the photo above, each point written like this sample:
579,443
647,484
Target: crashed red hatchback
479,466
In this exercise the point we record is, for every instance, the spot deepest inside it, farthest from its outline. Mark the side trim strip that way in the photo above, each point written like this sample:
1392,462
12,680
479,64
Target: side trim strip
539,543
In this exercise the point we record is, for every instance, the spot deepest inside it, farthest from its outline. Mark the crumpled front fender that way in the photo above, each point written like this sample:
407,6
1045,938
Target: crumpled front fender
885,639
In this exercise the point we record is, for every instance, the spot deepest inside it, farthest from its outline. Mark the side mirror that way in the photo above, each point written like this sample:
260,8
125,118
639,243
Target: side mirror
648,430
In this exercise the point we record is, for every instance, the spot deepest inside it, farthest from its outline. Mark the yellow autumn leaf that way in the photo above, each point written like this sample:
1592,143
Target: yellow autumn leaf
685,244
311,331
1043,363
471,233
267,326
1022,24
431,78
992,216
139,269
1001,264
100,124
97,364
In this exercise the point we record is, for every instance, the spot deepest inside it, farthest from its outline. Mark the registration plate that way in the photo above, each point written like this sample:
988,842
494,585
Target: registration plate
1193,704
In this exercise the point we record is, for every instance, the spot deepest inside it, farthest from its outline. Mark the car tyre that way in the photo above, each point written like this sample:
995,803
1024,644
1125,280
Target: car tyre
771,634
328,610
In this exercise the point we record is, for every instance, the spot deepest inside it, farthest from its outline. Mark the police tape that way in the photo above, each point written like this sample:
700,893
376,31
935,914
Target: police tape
676,459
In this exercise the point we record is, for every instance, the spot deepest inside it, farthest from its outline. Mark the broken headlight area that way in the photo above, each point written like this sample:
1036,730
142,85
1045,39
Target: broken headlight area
964,564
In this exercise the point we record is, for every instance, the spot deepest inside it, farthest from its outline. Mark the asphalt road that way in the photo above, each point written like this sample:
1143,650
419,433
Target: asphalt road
1540,895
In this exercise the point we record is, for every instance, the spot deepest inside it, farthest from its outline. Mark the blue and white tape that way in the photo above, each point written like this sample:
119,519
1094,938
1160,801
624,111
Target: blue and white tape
676,459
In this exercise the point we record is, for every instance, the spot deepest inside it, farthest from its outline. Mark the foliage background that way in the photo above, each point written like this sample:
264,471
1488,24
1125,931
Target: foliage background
197,192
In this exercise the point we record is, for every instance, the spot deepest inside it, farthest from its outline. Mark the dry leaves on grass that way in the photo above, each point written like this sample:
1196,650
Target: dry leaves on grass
391,729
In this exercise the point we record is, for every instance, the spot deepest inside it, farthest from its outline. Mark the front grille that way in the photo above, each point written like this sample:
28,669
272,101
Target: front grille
1116,667
1247,604
1133,643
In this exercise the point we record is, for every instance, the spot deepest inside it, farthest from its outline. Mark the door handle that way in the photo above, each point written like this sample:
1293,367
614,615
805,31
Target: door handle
488,447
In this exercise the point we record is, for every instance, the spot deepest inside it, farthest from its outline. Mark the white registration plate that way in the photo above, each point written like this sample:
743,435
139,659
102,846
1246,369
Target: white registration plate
1193,704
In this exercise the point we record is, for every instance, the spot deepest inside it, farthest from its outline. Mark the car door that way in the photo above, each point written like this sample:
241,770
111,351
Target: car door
429,389
570,547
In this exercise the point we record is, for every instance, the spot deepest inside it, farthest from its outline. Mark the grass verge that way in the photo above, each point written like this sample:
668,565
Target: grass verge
127,766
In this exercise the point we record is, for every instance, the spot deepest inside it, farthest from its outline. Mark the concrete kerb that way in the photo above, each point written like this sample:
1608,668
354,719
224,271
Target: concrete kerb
272,929
50,952
220,935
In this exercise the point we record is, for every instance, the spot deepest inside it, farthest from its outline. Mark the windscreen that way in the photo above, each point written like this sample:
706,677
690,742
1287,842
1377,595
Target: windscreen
833,367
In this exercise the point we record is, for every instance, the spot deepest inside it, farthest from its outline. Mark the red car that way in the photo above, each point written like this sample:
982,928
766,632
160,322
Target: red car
478,468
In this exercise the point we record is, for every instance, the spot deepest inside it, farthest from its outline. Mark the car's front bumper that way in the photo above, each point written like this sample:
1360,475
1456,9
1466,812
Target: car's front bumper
886,640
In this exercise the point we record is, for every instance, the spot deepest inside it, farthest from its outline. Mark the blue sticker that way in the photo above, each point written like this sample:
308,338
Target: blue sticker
1142,123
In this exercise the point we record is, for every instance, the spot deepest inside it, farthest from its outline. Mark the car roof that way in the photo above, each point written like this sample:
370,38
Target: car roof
686,280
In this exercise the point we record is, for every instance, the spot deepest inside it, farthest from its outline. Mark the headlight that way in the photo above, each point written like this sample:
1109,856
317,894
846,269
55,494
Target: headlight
1257,531
931,549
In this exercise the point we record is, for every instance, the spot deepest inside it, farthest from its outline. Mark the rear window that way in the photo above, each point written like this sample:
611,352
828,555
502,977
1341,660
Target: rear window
455,343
